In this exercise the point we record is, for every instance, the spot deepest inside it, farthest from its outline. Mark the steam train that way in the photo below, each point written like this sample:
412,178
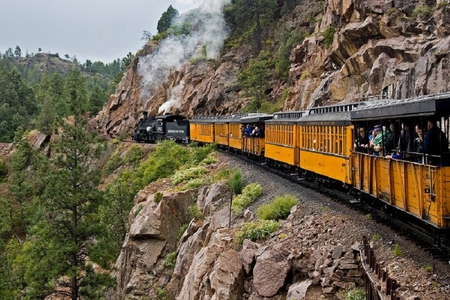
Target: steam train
151,129
320,145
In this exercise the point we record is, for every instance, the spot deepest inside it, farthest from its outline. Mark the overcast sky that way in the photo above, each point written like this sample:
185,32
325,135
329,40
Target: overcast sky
99,30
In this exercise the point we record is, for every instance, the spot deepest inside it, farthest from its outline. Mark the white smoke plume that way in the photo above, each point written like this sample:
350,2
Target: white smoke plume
207,33
174,101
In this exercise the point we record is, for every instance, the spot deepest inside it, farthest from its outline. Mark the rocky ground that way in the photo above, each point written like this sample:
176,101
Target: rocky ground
419,275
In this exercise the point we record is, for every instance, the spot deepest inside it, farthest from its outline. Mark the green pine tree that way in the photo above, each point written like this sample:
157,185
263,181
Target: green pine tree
167,19
66,214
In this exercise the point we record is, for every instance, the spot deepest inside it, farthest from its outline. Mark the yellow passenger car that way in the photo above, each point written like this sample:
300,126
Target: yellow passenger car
406,181
227,132
281,144
202,129
253,134
325,138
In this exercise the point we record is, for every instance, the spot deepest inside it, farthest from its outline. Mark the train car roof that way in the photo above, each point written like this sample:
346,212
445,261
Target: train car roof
217,119
229,119
388,108
170,117
255,118
204,119
333,118
286,117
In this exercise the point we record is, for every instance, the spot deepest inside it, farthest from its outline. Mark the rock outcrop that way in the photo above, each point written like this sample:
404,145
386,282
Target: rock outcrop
388,48
210,265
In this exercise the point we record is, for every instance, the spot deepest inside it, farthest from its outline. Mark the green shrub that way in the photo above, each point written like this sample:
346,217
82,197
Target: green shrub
3,170
188,174
209,160
397,251
181,231
255,231
277,209
224,174
170,260
163,162
158,197
193,184
134,156
421,10
161,293
198,154
249,194
194,212
355,294
328,36
114,162
237,182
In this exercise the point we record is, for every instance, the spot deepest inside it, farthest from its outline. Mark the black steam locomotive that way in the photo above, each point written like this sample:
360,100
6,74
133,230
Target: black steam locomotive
151,129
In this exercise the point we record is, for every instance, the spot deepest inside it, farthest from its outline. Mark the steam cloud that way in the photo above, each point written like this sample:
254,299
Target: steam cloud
206,36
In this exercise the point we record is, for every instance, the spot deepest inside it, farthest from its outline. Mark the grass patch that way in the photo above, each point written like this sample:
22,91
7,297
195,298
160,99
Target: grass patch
277,209
255,231
193,184
397,251
249,194
188,174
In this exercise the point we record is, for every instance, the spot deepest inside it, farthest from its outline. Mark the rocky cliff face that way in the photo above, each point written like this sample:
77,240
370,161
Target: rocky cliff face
210,265
387,48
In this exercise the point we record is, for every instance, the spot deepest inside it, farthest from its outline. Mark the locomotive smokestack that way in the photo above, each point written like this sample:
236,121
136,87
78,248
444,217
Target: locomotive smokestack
145,113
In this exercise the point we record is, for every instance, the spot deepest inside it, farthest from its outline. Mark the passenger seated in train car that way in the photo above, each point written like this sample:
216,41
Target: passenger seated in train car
435,142
379,140
418,140
405,144
390,146
362,141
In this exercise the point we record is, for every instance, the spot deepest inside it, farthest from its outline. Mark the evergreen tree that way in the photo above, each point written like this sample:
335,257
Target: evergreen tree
17,104
251,15
255,80
97,98
167,19
66,224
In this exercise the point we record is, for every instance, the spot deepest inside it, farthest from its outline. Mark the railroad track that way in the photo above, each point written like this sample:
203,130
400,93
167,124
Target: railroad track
409,231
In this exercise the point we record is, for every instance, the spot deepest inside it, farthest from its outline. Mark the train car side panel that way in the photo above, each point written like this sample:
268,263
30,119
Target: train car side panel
324,164
280,141
235,140
418,189
253,145
193,130
326,150
206,132
221,134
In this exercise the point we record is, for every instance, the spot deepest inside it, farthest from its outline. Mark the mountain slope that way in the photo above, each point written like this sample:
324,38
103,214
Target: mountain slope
350,50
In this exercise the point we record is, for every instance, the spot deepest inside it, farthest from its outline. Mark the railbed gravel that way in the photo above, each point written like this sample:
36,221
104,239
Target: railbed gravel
419,275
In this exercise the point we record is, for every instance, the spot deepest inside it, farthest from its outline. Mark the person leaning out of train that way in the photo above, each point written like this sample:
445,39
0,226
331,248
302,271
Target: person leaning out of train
435,143
256,132
379,140
248,130
362,141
